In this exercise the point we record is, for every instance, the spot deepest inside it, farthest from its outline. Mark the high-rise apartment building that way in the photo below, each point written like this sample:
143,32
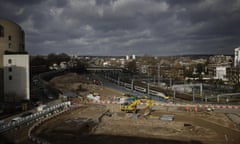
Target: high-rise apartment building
237,57
11,41
133,57
16,77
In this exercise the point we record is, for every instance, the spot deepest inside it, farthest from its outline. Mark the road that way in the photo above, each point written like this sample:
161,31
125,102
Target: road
54,108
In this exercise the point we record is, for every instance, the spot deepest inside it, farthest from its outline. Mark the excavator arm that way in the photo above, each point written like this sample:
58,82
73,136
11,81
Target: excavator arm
147,109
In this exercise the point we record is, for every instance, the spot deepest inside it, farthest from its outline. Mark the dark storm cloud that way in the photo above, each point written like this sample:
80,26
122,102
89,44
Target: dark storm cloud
21,2
184,2
104,2
120,27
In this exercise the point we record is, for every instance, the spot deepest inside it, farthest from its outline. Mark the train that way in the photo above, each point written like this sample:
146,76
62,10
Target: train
141,89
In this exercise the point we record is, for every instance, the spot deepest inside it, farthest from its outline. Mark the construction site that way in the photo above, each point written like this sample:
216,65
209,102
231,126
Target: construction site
136,123
92,124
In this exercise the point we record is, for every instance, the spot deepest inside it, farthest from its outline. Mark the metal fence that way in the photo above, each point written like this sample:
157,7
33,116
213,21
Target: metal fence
35,116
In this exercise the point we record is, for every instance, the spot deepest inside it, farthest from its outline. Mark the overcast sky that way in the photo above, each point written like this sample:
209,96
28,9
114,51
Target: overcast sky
125,27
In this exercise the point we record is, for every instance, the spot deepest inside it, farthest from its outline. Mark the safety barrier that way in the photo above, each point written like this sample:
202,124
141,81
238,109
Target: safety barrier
38,140
215,106
35,116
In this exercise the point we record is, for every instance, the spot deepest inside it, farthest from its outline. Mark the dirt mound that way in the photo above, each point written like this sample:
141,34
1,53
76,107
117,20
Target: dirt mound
70,82
69,78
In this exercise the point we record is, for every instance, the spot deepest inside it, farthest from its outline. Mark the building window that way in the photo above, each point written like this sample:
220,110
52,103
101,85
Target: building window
9,69
1,31
9,45
9,37
23,46
10,77
9,61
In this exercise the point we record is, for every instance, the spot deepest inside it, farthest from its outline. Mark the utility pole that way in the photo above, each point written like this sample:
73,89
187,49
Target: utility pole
118,80
193,94
170,83
174,96
201,91
148,90
154,80
158,74
132,84
148,83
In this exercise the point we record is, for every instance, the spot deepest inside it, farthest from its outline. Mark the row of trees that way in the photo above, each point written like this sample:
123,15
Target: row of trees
49,59
40,64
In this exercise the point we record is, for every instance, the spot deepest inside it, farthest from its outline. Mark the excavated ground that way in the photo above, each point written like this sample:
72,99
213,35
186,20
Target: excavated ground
85,125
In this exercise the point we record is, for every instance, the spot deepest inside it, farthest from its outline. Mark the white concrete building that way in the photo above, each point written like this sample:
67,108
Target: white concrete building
127,57
106,63
133,57
12,39
63,65
237,57
16,77
122,62
221,73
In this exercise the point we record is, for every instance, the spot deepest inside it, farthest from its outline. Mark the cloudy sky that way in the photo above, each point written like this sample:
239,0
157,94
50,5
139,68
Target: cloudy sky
121,27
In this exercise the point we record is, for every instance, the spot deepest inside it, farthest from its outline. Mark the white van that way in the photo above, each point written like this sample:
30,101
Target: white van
16,119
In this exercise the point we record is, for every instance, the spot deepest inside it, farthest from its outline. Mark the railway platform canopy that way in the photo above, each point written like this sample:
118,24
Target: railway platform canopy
104,69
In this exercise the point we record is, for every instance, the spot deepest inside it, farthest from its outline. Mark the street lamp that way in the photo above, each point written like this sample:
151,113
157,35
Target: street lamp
118,79
174,95
158,74
148,83
132,85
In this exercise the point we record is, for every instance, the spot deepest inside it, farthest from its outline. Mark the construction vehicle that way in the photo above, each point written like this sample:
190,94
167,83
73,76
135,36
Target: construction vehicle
148,108
132,107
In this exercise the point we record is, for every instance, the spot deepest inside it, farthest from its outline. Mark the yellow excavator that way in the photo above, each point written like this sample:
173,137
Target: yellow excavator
132,107
148,108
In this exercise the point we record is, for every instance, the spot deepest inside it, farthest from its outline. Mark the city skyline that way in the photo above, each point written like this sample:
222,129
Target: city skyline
125,27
